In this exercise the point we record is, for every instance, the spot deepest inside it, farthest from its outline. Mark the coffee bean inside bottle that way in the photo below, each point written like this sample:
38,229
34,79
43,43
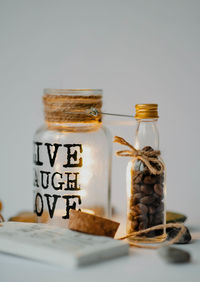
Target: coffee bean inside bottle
146,202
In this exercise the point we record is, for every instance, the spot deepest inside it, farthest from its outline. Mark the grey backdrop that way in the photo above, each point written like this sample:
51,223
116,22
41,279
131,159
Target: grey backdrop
137,51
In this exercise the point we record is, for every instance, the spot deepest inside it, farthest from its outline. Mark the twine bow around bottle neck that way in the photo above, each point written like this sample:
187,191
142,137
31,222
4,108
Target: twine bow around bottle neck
149,158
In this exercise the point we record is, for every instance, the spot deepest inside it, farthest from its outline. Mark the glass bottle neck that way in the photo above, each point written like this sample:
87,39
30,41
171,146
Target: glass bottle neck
147,134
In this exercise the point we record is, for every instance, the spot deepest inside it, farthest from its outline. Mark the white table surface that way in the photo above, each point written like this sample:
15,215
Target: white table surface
141,265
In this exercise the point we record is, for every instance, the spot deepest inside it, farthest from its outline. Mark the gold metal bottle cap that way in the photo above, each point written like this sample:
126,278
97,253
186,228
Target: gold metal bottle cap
146,111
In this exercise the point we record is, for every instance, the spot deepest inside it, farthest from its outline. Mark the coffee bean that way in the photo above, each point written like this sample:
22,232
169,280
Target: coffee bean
141,209
143,225
138,196
159,232
133,201
151,220
174,255
151,210
136,188
130,217
159,218
135,198
160,208
156,203
147,200
134,224
151,234
133,211
150,179
158,197
160,178
141,218
158,188
147,189
147,149
138,178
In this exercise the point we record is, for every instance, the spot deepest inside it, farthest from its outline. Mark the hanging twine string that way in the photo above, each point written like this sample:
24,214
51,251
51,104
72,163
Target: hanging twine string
149,158
133,236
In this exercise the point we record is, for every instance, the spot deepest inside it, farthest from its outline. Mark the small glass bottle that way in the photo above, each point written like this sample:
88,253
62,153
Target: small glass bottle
71,157
146,190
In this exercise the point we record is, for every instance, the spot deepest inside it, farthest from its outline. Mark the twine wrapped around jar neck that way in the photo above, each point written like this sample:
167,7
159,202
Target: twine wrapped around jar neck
72,108
149,158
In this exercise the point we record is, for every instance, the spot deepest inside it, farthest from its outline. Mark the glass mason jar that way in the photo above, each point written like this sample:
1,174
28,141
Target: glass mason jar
146,189
71,157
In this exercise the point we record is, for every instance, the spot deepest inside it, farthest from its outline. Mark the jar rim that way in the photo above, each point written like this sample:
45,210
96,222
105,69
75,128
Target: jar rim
84,92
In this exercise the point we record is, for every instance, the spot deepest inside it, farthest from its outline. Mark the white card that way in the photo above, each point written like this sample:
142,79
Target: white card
56,245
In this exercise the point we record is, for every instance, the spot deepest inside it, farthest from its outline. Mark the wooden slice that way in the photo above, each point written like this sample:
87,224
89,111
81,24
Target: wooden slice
1,206
92,224
28,216
1,218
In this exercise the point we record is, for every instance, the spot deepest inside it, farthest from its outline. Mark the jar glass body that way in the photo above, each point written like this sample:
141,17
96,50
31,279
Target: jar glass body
146,192
71,171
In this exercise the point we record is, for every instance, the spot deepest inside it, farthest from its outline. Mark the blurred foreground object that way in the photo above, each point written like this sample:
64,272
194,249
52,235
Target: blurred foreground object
174,255
28,216
56,245
1,217
1,206
175,217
